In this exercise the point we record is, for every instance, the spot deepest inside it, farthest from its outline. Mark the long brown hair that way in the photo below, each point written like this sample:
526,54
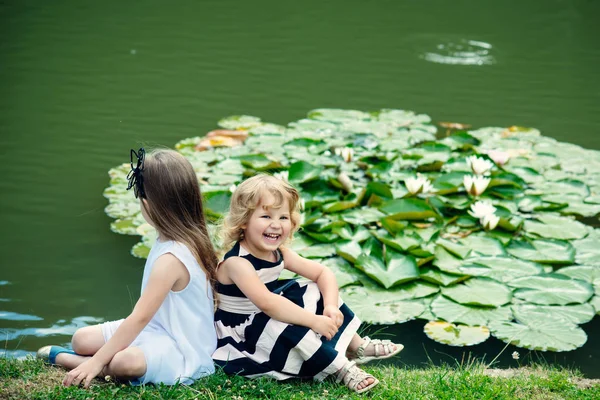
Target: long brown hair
174,199
245,199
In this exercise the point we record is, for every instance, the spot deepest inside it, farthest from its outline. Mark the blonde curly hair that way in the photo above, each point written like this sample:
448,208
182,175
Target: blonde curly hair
246,198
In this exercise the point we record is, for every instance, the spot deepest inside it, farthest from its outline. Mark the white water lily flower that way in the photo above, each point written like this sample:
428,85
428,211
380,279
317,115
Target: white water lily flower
482,208
347,154
283,175
475,185
515,355
480,166
490,221
499,157
418,185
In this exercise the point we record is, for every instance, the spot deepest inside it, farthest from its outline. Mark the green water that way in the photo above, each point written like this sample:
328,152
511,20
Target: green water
82,82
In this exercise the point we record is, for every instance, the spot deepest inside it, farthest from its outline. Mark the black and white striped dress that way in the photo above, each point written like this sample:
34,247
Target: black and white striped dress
252,344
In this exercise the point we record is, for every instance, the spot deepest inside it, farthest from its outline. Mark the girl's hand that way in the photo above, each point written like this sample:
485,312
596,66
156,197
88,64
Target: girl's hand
84,373
335,314
324,326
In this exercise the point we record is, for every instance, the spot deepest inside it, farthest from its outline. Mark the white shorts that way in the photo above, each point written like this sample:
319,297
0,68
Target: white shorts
164,361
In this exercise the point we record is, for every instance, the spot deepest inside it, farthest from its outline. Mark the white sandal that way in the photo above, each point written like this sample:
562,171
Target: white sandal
383,350
351,376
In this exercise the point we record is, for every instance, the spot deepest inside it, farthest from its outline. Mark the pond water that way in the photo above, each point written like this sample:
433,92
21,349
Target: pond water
82,83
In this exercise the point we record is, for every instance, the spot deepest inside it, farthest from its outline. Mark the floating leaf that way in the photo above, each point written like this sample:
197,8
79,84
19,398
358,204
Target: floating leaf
448,310
483,245
556,227
239,122
502,269
409,209
480,292
543,251
457,249
349,250
344,273
124,226
140,250
362,216
544,335
583,273
551,289
398,268
434,275
302,171
588,251
380,307
575,314
456,335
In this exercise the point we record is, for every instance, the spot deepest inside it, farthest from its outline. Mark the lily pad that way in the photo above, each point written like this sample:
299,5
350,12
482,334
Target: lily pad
551,289
544,335
408,209
584,273
439,277
456,335
395,269
448,310
556,227
543,251
479,292
575,314
380,307
588,250
502,269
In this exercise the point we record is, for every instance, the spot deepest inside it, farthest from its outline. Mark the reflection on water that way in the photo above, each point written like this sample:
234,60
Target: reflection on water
462,52
18,317
60,328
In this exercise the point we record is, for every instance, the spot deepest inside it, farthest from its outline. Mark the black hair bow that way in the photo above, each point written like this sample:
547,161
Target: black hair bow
135,176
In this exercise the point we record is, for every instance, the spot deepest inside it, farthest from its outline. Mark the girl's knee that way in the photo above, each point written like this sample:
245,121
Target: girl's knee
129,363
88,340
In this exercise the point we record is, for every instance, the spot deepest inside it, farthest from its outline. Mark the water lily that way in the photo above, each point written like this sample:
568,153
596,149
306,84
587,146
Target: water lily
418,185
345,182
480,166
482,208
489,221
499,157
475,185
347,153
283,175
515,355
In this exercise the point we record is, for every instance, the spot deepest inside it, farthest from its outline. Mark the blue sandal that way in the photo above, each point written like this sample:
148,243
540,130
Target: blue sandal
49,353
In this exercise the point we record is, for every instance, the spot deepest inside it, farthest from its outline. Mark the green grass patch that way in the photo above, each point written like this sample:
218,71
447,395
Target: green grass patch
31,379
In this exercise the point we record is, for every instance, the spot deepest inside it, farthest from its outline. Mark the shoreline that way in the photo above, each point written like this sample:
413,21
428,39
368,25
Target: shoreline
31,379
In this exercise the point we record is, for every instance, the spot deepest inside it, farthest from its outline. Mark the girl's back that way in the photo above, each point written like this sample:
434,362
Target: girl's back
185,314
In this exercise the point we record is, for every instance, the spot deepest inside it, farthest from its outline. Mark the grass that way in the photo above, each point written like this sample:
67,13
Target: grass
31,379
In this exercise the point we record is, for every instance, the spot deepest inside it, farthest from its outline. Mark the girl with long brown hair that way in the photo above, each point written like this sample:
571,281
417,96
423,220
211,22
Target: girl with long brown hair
169,336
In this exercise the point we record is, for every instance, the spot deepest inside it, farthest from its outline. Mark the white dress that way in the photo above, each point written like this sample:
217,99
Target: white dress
179,340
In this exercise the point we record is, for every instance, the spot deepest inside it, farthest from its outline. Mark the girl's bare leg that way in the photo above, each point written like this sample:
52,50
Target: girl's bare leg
85,342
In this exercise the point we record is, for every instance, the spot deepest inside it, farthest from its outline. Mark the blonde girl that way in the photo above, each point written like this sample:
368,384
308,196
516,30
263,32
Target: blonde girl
283,328
169,336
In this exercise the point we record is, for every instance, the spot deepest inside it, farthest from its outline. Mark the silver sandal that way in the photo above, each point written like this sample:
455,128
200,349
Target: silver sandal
381,347
351,376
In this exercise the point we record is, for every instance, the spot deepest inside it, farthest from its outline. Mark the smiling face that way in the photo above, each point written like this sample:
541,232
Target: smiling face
267,228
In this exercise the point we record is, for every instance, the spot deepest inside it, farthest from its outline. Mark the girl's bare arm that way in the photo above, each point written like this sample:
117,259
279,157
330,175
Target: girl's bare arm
167,271
242,273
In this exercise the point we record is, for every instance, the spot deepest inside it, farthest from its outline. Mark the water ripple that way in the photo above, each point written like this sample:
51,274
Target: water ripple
461,52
